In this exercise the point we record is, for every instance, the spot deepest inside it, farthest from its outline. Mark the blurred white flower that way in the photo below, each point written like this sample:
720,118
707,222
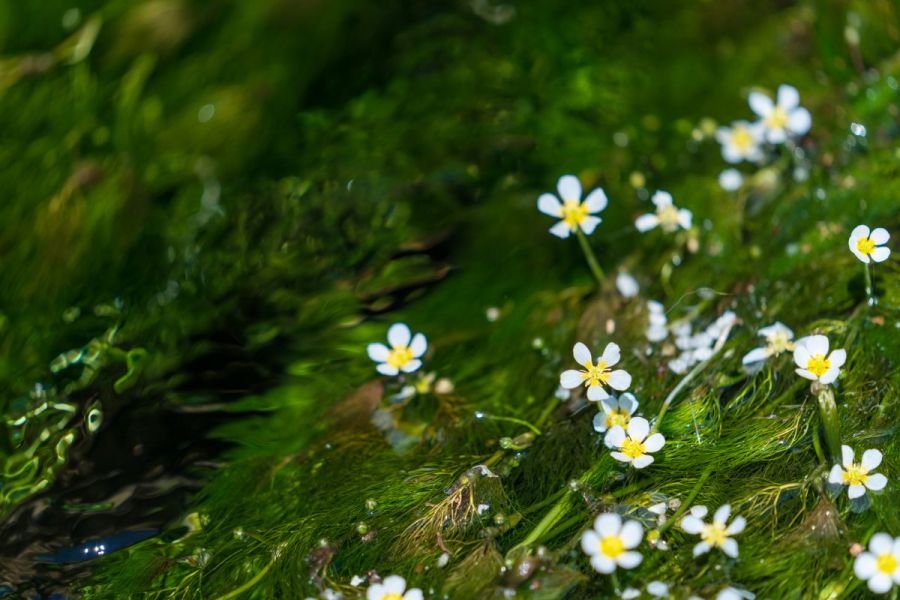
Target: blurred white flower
741,141
858,476
869,246
392,588
658,589
731,180
633,444
667,216
880,566
403,354
574,213
778,339
594,377
814,362
716,534
615,411
627,285
731,593
611,543
657,325
783,118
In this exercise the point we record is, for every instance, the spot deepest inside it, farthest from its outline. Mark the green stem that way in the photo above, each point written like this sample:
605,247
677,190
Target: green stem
831,423
686,504
870,287
589,256
515,420
249,585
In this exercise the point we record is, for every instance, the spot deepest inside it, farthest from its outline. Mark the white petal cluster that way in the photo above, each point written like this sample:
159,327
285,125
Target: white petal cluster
657,322
869,245
667,217
596,376
814,361
779,339
615,411
880,566
634,444
572,212
611,543
716,534
858,476
697,347
782,118
403,354
393,588
627,285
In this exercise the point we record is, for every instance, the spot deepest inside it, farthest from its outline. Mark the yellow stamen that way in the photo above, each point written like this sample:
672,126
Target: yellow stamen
612,546
865,245
855,475
632,448
573,213
777,119
617,417
818,365
714,534
595,375
741,138
779,342
399,357
668,217
392,596
886,563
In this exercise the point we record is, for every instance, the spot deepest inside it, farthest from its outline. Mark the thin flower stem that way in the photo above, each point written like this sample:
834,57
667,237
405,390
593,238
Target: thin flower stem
831,423
870,287
589,256
515,420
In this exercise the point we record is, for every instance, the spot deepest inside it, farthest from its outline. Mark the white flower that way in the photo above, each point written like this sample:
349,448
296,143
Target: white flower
778,339
658,589
880,566
594,377
573,212
731,593
731,179
657,326
716,534
630,593
740,141
869,246
783,118
858,475
616,411
634,446
611,543
627,285
668,217
392,589
811,355
404,353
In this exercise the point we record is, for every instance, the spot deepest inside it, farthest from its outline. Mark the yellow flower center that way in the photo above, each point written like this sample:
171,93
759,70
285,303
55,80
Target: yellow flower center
668,217
886,563
632,448
778,119
399,357
865,245
855,475
595,375
617,417
392,596
818,365
612,546
779,342
573,213
741,138
714,534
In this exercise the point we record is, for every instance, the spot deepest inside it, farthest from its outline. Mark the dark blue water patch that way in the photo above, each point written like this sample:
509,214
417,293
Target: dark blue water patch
97,548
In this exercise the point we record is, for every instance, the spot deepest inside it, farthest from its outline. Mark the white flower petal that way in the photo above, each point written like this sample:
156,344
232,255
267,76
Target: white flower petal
596,393
755,355
561,230
776,136
628,403
631,533
699,511
627,285
760,104
881,254
621,457
880,236
799,121
654,443
611,354
658,589
777,327
881,543
836,475
865,565
876,482
730,547
731,154
805,374
619,380
638,428
684,218
646,222
737,526
378,352
549,205
411,366
375,592
788,96
386,369
399,335
817,344
614,437
569,188
730,179
856,491
871,458
801,355
701,548
419,345
582,355
603,564
590,542
570,379
596,201
599,422
629,560
589,224
661,199
846,456
837,358
394,584
722,514
880,583
607,524
830,375
413,594
644,460
609,404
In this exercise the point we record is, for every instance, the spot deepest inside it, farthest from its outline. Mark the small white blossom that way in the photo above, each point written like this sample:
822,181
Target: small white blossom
595,376
858,476
716,534
814,362
731,180
657,325
778,339
574,213
741,141
783,118
869,246
667,216
880,566
633,444
616,411
392,588
658,589
627,285
731,593
611,543
403,354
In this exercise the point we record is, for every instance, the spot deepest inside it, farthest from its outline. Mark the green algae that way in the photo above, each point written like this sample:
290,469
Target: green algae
362,165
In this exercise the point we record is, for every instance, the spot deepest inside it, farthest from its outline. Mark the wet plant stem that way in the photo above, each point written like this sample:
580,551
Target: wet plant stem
249,585
831,424
870,287
590,257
